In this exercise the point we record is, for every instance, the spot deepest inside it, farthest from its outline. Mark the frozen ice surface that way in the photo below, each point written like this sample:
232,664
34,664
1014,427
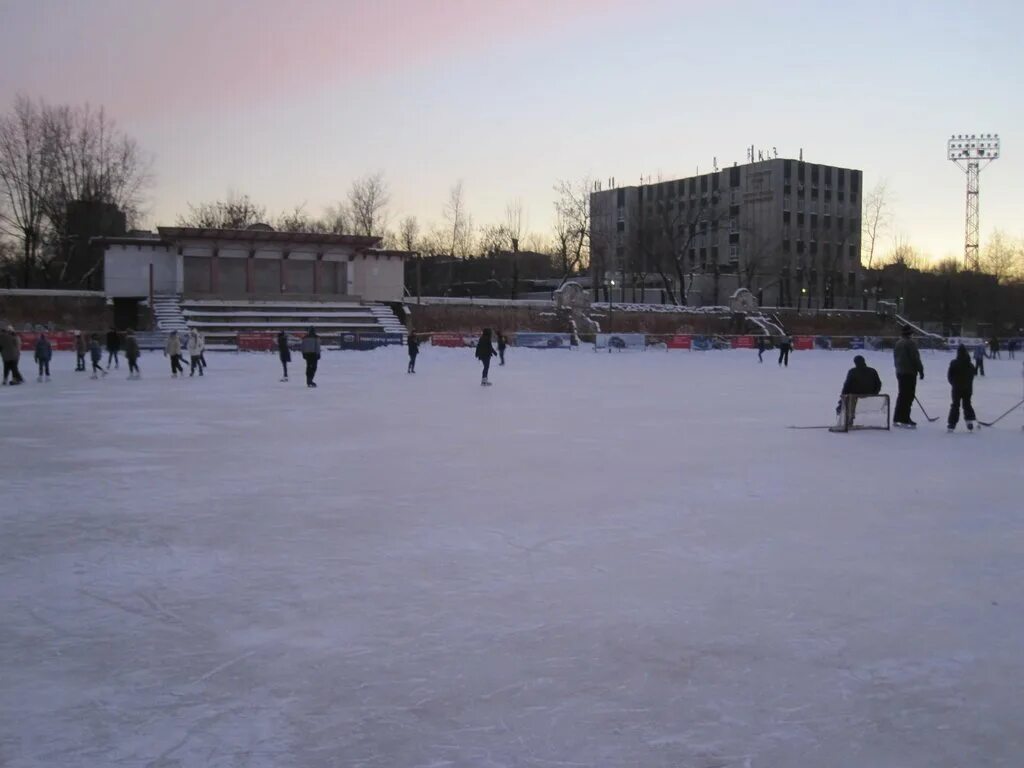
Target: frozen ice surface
603,560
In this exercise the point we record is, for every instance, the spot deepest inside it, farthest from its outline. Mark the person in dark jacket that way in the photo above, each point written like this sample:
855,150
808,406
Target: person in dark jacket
909,368
484,353
96,355
113,347
785,346
414,350
284,353
81,350
44,353
502,344
1011,348
311,354
993,346
760,349
131,354
861,380
961,379
10,351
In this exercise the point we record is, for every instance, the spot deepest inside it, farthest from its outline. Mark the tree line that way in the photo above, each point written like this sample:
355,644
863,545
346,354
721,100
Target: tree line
51,155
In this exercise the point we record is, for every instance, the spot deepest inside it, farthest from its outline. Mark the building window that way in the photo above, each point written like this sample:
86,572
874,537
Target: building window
734,237
814,221
714,183
799,219
785,245
814,247
800,170
785,204
620,226
814,174
787,169
785,217
799,246
800,206
734,253
734,196
842,178
714,253
732,225
853,252
620,196
734,176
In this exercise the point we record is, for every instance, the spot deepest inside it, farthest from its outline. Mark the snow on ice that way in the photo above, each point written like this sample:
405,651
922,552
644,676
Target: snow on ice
603,560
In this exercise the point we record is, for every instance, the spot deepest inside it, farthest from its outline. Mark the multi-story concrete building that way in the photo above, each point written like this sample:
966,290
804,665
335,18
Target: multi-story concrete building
787,230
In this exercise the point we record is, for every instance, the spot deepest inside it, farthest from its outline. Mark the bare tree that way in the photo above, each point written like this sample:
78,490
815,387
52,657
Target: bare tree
22,178
572,225
367,201
336,220
89,159
409,233
236,212
877,219
903,254
513,225
1003,258
460,223
493,238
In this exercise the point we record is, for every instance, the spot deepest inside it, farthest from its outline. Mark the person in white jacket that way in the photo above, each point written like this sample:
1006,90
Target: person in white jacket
195,351
173,351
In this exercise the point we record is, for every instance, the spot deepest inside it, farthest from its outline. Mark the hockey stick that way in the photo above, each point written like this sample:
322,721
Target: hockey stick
826,426
930,418
1007,413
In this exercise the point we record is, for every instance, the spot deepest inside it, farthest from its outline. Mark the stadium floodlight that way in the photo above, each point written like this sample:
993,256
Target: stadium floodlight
971,153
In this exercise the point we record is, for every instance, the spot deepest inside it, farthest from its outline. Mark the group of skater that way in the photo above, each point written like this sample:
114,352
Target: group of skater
195,345
309,348
10,350
862,380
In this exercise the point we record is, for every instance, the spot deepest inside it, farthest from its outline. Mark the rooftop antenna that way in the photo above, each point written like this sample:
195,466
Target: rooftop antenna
714,163
972,153
801,154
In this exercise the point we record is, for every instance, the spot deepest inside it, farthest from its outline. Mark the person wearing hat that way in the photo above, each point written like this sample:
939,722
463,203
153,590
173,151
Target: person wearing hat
81,349
860,380
10,351
961,378
311,354
909,369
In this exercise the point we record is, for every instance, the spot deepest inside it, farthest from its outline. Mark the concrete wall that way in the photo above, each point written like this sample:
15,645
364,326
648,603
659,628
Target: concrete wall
378,278
126,270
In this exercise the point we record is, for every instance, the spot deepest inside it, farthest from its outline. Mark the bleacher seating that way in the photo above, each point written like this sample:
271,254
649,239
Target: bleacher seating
221,320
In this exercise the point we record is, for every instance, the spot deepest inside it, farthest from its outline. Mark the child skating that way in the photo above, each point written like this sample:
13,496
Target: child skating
484,353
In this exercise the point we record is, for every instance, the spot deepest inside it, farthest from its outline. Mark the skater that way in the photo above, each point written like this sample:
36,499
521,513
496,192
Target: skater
993,346
195,352
202,350
1011,348
907,359
979,359
502,343
44,353
283,353
484,353
311,354
113,348
760,349
96,355
81,348
862,379
414,349
961,379
173,351
131,354
10,351
785,345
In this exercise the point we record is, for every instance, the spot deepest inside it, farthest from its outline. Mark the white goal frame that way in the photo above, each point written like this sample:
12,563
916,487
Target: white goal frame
846,420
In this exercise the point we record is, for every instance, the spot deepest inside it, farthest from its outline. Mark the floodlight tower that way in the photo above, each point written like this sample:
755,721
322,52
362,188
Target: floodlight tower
971,153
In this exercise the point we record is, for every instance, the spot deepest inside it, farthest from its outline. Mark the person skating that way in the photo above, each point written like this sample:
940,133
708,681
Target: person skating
202,350
961,379
173,351
131,354
44,353
10,351
760,349
96,355
311,354
909,369
862,379
785,346
979,359
81,349
283,353
484,353
502,344
993,346
113,348
1011,348
414,349
195,352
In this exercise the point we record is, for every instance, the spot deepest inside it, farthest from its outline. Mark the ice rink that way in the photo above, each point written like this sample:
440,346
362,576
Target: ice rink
603,560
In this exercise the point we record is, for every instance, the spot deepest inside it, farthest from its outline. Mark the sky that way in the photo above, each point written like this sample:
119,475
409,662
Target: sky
289,102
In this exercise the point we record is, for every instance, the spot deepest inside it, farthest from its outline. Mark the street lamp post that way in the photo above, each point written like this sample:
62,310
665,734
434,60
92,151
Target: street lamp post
611,311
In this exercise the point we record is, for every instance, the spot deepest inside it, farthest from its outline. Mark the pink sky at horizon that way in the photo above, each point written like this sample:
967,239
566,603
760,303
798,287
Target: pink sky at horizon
290,102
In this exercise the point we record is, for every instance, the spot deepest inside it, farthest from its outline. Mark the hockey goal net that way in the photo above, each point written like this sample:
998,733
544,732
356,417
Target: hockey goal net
858,412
